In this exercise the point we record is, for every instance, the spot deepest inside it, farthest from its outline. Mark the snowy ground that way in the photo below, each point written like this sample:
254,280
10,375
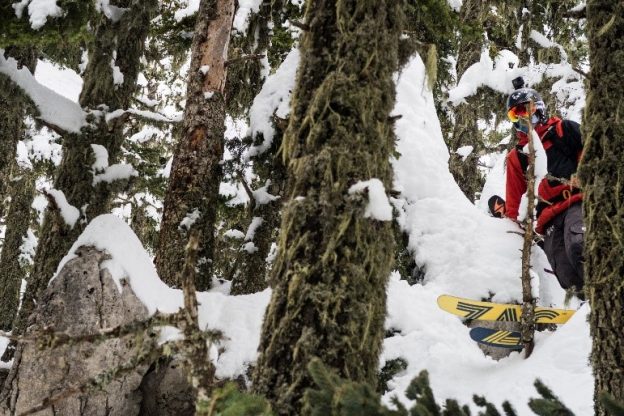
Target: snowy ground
464,251
467,253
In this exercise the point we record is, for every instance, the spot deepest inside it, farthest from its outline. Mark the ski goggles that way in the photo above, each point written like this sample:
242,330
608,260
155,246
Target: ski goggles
521,111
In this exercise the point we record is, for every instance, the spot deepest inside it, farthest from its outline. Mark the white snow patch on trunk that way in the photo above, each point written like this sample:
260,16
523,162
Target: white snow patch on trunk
118,76
233,233
102,172
378,206
273,98
256,222
464,151
113,12
244,11
192,6
69,213
101,158
116,172
262,196
38,10
250,247
28,248
189,220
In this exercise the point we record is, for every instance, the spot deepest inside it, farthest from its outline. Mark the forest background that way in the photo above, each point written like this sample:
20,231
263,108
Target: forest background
259,143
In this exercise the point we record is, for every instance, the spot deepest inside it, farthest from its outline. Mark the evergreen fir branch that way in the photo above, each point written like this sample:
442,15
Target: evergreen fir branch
508,409
420,390
229,401
490,409
549,404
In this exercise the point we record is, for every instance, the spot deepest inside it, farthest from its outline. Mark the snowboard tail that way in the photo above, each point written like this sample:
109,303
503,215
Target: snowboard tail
497,338
489,311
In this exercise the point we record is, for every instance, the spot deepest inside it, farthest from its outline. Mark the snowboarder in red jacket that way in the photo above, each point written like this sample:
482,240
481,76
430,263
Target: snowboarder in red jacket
559,213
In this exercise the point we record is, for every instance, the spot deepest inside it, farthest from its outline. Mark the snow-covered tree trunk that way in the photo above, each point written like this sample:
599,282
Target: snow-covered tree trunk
191,199
602,177
333,262
16,188
117,46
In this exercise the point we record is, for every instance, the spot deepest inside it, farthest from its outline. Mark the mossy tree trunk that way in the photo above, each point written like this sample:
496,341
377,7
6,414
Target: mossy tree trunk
12,113
465,169
121,42
12,267
192,195
602,177
330,274
16,188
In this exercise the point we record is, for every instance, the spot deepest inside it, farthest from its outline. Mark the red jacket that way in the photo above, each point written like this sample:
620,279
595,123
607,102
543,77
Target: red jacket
563,145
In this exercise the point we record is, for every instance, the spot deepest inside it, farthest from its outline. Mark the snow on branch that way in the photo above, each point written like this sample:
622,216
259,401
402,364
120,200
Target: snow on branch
244,11
114,13
544,42
273,99
38,10
55,110
69,213
149,115
378,207
262,195
102,172
497,74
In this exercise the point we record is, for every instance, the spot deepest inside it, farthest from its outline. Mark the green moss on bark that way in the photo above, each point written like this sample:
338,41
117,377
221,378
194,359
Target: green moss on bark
602,177
330,274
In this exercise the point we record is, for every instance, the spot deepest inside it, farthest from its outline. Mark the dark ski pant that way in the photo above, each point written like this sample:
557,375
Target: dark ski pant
563,245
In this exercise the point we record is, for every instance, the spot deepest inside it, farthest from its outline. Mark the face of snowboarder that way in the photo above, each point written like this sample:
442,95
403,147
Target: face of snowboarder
521,111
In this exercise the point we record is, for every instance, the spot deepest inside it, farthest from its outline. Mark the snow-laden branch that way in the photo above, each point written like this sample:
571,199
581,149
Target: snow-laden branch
102,172
38,10
54,109
149,115
544,42
69,213
273,99
497,75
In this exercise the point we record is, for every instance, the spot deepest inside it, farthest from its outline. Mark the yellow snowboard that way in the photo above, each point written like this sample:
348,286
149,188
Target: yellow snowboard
488,311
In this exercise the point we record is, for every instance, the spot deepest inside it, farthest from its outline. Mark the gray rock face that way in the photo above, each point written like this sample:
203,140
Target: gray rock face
167,391
83,299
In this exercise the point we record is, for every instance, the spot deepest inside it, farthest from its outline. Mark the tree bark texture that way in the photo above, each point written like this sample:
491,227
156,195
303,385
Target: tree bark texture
196,170
122,41
330,274
12,113
525,19
527,319
16,188
12,270
465,170
602,178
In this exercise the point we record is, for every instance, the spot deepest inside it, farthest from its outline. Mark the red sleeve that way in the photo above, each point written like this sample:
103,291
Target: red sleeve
515,186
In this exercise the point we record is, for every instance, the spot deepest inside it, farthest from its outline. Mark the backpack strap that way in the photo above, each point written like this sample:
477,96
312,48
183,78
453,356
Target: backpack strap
554,136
